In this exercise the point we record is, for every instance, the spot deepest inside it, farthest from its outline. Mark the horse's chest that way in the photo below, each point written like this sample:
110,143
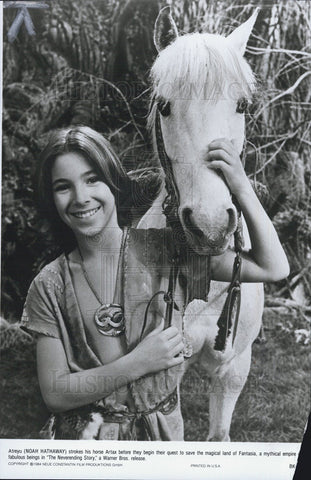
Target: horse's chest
201,322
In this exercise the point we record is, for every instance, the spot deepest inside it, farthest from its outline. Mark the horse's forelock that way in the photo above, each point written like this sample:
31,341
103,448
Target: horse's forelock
201,66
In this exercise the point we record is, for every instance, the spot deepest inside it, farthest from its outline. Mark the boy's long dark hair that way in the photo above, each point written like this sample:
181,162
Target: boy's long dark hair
99,153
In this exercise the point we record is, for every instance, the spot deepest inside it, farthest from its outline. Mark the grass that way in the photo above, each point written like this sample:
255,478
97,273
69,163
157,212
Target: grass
22,411
273,406
275,402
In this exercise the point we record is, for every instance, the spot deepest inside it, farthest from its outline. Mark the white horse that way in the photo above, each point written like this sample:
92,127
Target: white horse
201,85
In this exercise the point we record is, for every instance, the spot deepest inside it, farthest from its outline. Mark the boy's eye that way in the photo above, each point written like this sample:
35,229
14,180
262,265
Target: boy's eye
242,105
61,187
93,179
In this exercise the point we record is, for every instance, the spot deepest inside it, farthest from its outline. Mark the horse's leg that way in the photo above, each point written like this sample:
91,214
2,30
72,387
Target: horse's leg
226,387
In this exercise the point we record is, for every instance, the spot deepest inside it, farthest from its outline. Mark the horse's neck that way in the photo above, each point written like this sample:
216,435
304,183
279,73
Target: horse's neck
154,217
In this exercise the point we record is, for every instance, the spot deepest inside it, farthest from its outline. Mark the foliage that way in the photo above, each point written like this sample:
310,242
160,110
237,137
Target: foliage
89,64
58,81
22,408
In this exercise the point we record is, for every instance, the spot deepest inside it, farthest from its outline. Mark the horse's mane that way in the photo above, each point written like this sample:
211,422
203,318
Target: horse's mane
200,66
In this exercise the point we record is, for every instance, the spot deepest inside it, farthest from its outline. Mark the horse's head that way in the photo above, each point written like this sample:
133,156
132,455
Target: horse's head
201,86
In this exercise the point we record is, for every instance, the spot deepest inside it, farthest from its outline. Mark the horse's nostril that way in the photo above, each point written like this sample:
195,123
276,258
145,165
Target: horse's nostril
189,224
232,220
186,214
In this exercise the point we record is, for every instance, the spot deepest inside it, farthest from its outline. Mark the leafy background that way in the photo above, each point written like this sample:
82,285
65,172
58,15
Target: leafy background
88,64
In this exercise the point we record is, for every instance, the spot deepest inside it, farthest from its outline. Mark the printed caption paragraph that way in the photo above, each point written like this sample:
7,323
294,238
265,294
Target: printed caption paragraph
123,459
101,457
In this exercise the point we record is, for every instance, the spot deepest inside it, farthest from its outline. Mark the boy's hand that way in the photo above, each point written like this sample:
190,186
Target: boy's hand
222,155
159,350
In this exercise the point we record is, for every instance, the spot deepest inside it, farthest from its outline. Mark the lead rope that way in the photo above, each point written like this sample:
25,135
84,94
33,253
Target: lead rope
231,310
238,246
236,274
168,297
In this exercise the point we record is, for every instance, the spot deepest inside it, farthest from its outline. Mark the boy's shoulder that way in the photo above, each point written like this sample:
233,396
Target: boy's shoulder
52,273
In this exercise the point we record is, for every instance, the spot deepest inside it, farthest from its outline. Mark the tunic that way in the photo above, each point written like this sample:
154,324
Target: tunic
52,309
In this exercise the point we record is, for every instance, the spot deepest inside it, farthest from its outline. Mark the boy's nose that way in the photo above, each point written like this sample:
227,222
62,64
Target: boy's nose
81,196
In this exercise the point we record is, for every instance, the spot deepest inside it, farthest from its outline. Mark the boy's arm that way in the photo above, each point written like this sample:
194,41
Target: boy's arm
64,390
266,261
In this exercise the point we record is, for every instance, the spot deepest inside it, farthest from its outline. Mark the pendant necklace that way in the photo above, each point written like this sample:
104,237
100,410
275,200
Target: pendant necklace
109,317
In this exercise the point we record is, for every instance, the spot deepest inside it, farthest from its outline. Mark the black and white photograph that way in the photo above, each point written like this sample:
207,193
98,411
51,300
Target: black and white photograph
156,232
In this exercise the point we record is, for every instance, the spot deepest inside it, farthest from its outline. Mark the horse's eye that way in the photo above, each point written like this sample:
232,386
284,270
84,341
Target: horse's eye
242,105
164,107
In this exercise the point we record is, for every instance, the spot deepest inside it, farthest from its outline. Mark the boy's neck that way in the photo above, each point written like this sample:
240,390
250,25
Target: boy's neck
109,242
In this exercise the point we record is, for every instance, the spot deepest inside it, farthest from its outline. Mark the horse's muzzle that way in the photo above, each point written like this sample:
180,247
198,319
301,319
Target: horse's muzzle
209,239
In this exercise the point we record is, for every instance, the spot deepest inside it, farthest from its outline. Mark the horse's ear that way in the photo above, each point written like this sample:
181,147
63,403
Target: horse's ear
165,30
239,37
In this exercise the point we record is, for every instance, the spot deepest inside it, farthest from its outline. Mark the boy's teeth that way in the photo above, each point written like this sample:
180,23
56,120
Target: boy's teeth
86,214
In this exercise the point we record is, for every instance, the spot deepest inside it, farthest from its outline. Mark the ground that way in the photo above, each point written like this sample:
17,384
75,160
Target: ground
273,406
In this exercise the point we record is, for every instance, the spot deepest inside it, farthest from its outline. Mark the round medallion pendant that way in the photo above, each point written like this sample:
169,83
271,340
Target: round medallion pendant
109,319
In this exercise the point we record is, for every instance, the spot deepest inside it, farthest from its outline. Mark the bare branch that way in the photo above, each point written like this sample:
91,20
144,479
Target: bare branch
289,91
263,51
271,158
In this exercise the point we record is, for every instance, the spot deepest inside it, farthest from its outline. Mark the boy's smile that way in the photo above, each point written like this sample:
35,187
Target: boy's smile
83,201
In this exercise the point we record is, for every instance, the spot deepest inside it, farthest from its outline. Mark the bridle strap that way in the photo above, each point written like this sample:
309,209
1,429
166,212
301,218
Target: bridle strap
170,210
169,296
170,184
172,200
